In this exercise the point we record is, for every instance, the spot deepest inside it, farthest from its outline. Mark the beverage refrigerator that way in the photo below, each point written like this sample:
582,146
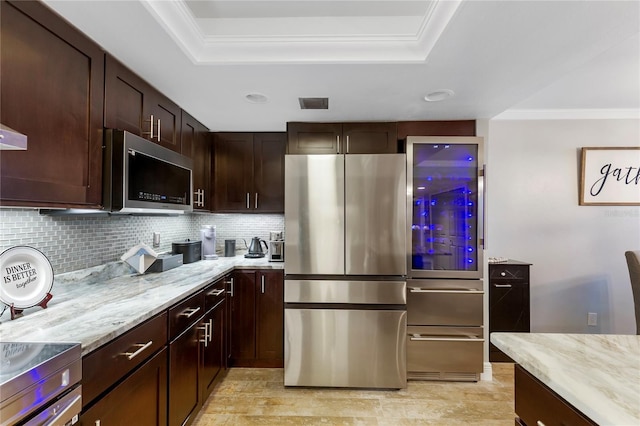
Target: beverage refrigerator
445,183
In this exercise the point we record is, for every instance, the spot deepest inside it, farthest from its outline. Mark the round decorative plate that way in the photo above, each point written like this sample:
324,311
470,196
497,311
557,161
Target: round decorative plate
26,277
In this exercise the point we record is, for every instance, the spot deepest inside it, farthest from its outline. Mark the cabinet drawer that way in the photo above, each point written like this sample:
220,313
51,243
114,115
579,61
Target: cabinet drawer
536,403
214,294
185,313
445,353
443,306
507,272
141,399
105,366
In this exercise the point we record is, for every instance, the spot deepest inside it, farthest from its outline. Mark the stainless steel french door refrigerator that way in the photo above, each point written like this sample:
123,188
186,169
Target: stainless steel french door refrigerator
345,270
445,239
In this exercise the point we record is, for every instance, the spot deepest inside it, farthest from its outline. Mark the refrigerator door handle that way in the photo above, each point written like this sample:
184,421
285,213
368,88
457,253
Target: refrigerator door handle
482,184
426,290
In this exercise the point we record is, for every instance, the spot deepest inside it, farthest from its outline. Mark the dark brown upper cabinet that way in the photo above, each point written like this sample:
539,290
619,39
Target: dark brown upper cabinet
248,172
195,142
436,128
133,105
342,138
51,90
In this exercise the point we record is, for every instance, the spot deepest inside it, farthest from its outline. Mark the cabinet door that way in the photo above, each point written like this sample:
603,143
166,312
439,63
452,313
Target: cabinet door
195,144
243,325
183,375
133,105
52,91
436,128
509,307
270,317
268,159
314,138
125,95
369,138
213,350
141,399
233,172
167,117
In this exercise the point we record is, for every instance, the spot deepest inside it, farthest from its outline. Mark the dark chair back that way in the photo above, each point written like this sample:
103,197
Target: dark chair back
633,261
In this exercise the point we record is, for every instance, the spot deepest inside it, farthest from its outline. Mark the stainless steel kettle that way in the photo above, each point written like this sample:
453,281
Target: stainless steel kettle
255,248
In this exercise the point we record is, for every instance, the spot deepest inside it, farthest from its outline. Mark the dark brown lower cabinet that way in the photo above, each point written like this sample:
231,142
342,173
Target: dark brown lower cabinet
536,404
213,357
186,330
183,376
141,399
256,318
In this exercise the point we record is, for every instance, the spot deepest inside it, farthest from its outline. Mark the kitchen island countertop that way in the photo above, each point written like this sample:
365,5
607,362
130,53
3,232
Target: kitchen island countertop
93,308
599,374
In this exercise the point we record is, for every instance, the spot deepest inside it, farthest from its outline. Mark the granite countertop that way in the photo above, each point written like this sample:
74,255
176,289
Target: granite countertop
599,374
95,305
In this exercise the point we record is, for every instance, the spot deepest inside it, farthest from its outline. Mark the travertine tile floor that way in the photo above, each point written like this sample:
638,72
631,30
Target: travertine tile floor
258,397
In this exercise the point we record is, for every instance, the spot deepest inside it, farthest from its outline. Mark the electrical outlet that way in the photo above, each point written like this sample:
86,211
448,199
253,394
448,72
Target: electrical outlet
592,318
156,239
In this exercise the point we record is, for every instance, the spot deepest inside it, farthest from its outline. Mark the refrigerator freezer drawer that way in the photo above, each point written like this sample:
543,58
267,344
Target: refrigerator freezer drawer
445,353
330,291
444,307
345,348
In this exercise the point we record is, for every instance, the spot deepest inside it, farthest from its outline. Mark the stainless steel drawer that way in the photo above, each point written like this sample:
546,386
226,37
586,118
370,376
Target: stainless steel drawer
345,348
429,305
444,353
328,291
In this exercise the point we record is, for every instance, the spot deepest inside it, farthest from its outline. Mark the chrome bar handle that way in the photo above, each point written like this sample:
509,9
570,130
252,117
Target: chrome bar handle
426,290
141,347
189,312
539,423
256,200
262,283
205,328
347,144
248,201
502,285
210,330
444,339
158,130
338,144
231,285
215,293
150,132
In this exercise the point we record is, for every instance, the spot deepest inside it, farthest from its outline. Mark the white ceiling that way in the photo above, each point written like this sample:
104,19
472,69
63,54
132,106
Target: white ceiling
375,60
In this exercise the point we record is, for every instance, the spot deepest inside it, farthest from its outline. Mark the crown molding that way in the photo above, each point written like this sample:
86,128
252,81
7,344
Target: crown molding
568,114
176,19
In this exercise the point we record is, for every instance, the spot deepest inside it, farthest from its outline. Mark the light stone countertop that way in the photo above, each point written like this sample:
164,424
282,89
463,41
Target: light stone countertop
599,374
95,305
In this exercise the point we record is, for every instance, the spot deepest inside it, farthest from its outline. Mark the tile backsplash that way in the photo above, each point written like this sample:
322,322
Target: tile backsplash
77,242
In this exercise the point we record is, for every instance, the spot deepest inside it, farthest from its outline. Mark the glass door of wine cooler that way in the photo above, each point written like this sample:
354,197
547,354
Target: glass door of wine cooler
445,207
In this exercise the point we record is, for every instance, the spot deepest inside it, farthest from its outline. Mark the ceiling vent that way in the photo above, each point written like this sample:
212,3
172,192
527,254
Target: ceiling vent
314,103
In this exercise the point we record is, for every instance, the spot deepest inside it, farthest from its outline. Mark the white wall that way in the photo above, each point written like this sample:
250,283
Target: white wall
533,215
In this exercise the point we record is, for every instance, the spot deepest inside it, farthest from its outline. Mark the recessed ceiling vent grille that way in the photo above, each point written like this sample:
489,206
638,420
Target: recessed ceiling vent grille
314,103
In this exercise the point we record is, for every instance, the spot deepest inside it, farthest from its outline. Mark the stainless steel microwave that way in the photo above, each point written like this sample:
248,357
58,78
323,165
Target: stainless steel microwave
140,176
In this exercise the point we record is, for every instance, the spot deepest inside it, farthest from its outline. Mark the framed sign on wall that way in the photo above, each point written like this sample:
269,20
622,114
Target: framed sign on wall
610,176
